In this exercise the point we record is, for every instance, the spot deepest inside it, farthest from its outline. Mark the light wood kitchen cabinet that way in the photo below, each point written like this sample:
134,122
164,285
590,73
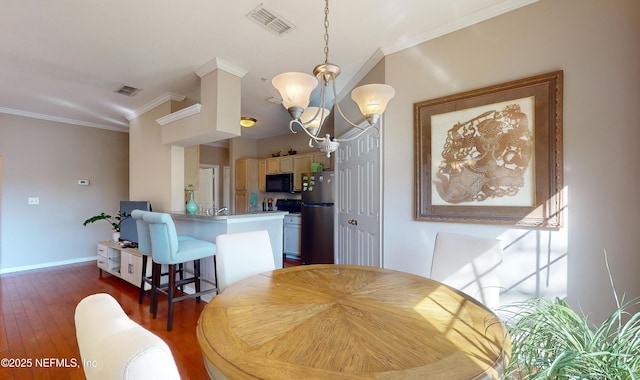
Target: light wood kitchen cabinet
273,165
277,165
301,164
241,175
246,174
242,202
262,175
287,164
246,183
324,160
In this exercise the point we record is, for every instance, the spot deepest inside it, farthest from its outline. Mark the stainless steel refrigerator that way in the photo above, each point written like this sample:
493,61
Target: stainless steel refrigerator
317,218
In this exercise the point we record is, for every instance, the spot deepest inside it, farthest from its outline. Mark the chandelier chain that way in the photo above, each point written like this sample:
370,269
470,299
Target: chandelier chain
326,31
326,73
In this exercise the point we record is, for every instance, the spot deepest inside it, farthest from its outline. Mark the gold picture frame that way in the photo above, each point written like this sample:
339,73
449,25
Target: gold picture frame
492,155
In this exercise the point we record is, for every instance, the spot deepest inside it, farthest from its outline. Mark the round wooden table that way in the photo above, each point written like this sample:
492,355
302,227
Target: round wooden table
349,322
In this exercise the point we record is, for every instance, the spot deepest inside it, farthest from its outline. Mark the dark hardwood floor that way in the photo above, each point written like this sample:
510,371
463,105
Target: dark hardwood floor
37,320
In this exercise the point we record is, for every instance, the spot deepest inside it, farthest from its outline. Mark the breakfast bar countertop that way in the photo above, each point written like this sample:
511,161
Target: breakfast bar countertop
208,227
229,217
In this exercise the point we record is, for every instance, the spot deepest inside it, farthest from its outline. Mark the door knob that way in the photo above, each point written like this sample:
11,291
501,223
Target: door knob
353,222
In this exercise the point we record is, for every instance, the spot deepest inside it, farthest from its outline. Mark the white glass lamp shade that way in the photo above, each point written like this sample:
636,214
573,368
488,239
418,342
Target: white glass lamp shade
372,98
313,124
295,88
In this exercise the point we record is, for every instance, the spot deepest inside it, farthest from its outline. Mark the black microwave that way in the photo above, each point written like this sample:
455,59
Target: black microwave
279,183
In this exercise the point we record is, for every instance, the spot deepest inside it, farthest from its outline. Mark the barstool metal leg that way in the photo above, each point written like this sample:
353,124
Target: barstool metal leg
196,274
171,293
181,274
142,279
215,274
156,270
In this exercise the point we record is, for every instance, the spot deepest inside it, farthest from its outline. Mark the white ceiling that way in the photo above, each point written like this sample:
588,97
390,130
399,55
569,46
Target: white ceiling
62,60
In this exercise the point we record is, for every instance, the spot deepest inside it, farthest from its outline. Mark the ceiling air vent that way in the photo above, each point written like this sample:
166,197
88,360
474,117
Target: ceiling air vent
270,20
127,90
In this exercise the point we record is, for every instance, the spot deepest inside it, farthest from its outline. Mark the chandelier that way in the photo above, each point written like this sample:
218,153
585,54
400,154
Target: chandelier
295,89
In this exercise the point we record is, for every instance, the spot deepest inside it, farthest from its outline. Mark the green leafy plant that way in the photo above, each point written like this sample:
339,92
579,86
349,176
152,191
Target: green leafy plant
113,220
549,340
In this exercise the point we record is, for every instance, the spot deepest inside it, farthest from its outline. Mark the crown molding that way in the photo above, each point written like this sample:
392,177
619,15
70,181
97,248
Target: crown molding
175,116
223,65
154,103
457,24
64,120
379,54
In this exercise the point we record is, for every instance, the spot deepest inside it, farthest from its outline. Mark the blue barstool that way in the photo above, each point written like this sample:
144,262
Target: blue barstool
144,247
167,249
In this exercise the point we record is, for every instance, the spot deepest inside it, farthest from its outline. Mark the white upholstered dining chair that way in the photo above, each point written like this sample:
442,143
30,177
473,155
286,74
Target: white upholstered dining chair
243,254
470,264
112,346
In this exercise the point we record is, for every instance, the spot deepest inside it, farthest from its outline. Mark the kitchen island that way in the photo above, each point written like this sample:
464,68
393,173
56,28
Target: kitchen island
205,227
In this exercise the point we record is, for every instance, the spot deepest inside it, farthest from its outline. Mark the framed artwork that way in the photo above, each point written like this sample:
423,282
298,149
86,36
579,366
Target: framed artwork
492,155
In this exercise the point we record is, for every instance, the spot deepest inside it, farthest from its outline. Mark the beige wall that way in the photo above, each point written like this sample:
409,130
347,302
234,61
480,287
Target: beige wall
350,108
596,44
211,155
156,171
46,159
298,141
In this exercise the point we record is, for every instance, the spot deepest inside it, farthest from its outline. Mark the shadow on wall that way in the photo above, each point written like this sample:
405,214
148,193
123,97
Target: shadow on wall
534,264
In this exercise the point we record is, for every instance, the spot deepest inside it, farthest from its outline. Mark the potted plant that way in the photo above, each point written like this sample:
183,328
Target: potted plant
114,221
549,340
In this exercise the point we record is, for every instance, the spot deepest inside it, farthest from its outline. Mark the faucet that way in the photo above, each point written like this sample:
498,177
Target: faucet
213,211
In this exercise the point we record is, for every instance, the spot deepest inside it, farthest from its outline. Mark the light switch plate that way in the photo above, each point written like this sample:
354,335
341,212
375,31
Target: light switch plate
83,182
33,200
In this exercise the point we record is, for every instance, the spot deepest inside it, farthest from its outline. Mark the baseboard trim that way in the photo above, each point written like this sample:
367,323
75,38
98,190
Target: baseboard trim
46,265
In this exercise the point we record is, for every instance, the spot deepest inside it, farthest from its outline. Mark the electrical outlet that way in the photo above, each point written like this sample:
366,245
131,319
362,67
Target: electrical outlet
83,182
33,200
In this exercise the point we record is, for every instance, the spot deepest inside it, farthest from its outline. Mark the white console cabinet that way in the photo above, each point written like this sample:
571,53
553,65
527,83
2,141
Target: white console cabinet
125,263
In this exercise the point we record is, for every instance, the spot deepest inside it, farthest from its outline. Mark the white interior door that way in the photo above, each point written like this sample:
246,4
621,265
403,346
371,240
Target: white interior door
204,195
216,186
226,186
358,202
